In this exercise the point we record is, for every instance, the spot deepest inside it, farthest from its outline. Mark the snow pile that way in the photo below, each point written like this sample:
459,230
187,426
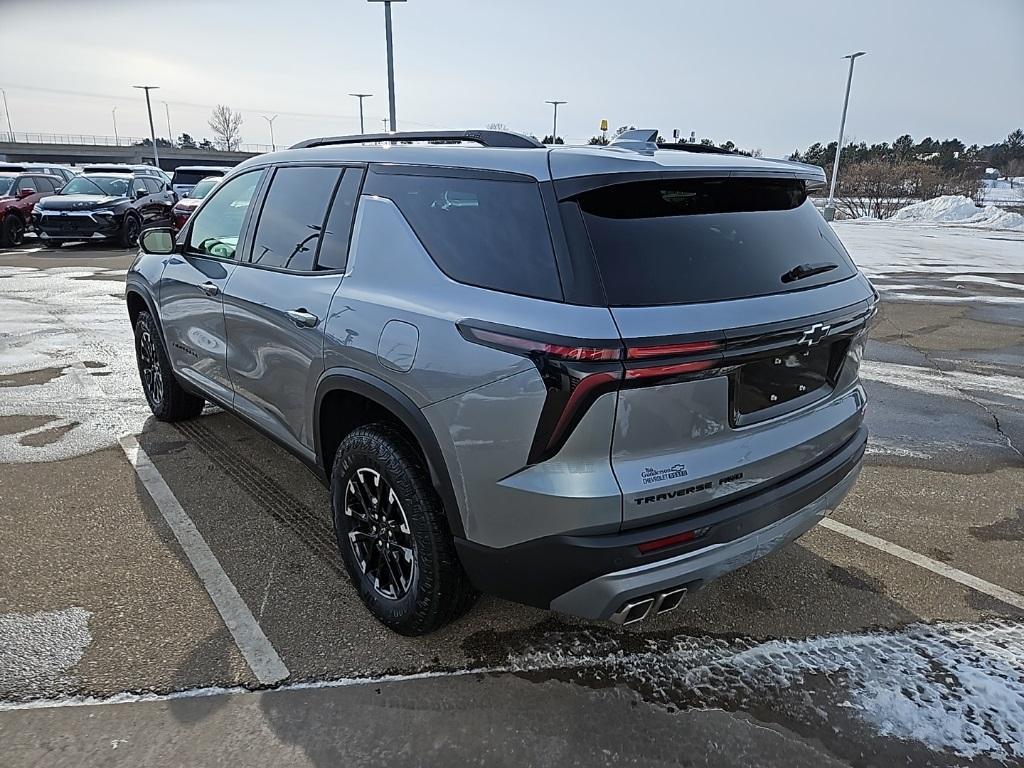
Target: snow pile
957,209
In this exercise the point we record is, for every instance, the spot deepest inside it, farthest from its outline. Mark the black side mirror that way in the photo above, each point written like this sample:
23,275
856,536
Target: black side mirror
158,241
140,193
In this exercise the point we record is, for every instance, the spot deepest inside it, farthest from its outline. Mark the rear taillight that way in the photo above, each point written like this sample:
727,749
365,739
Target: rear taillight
577,372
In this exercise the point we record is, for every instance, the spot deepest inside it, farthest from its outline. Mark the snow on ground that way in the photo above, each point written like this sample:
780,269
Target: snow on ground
938,263
57,319
1004,191
957,209
957,687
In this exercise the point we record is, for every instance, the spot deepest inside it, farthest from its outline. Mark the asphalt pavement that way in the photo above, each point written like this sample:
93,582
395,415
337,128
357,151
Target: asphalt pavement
895,636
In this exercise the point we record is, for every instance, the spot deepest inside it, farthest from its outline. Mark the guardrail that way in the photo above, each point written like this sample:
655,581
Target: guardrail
89,140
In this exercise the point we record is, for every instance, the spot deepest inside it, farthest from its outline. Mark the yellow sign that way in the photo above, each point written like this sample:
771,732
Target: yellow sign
604,125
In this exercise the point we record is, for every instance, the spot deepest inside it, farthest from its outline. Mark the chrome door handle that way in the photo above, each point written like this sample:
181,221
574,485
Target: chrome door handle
302,318
209,289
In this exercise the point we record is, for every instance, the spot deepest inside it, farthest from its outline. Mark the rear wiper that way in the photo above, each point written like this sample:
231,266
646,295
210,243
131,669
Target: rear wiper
800,271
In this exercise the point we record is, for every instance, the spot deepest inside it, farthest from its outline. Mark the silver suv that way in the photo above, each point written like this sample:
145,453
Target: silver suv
589,379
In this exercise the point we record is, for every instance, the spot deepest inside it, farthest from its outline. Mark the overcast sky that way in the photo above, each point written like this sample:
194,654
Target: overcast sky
764,74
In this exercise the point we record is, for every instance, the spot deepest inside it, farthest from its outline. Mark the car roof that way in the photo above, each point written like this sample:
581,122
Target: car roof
541,162
203,168
110,174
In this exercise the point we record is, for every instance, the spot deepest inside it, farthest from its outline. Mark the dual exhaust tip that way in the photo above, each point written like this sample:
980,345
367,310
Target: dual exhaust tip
652,605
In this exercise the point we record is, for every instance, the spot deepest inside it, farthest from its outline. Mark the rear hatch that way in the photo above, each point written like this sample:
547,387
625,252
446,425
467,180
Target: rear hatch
743,319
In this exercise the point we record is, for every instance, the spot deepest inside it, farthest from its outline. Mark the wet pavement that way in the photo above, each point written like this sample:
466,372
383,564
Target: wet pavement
829,652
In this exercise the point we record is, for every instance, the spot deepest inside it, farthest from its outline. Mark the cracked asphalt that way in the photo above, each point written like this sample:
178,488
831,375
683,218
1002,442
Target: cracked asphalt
775,665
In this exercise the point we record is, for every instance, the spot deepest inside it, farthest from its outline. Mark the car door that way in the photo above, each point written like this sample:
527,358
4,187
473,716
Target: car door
276,302
162,201
191,304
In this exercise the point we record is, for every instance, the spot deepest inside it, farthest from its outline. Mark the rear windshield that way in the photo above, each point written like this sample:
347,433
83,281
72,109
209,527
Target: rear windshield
482,231
685,241
193,177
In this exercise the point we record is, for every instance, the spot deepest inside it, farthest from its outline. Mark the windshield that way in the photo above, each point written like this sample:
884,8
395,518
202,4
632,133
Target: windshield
97,185
202,189
191,176
5,185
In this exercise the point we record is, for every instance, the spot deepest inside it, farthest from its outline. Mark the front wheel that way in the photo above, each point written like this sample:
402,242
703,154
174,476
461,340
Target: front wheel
393,534
167,400
130,229
12,232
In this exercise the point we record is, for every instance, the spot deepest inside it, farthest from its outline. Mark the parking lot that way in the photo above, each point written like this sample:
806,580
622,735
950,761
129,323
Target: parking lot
893,633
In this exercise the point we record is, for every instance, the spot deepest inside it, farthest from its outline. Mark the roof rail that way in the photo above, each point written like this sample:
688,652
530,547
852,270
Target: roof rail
484,138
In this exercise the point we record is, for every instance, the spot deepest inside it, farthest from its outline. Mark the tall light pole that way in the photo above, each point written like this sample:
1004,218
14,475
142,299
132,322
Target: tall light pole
10,127
170,133
113,116
270,122
361,96
384,120
830,206
554,122
391,59
149,110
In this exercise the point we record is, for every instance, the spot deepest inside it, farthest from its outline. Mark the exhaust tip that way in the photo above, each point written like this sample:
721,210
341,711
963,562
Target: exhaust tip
669,601
632,612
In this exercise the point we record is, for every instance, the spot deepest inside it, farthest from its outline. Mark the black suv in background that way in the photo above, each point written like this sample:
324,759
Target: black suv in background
104,206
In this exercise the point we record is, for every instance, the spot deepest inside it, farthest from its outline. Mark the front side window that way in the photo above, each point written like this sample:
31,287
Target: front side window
217,227
153,186
42,184
485,232
139,188
27,182
292,219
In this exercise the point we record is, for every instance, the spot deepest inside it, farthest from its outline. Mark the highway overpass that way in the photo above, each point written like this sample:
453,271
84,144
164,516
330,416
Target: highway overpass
92,149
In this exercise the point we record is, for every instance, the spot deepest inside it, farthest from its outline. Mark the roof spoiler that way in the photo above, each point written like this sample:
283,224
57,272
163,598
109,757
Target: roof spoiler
484,138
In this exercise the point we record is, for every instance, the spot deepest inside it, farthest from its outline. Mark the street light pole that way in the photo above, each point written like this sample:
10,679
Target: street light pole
361,96
391,58
270,122
113,116
830,206
170,133
554,122
149,110
10,127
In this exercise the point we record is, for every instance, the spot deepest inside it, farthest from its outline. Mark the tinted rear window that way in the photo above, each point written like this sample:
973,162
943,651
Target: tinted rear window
193,177
293,216
695,240
484,232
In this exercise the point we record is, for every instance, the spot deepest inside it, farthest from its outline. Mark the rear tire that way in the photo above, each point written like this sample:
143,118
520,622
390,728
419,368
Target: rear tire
398,549
167,400
12,232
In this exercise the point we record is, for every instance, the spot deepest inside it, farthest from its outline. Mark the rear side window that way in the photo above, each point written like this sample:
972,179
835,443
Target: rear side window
292,219
484,232
334,248
696,240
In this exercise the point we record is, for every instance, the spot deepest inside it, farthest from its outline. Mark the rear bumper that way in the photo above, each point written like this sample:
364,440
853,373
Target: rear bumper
595,576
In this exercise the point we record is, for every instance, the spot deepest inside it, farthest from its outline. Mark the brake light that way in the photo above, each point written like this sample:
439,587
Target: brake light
672,350
560,351
577,372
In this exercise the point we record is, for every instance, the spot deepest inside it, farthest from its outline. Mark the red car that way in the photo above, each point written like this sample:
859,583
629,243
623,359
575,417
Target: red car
187,205
19,192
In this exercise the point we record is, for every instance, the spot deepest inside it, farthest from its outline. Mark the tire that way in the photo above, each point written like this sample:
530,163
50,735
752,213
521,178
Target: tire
437,589
131,227
167,400
12,232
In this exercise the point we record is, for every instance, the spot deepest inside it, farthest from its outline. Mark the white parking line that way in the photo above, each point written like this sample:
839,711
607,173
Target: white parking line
254,645
250,639
953,574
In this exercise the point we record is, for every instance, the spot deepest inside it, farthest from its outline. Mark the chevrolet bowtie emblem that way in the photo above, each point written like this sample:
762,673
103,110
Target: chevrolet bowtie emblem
814,334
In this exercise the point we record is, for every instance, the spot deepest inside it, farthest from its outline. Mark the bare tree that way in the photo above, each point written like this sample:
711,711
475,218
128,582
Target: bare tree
496,127
876,188
226,126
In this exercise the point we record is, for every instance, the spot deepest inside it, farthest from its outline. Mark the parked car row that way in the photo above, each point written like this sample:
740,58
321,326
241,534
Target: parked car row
106,201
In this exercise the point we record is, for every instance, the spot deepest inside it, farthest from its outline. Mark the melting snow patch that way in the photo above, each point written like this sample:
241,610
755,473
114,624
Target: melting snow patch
52,319
956,687
946,383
